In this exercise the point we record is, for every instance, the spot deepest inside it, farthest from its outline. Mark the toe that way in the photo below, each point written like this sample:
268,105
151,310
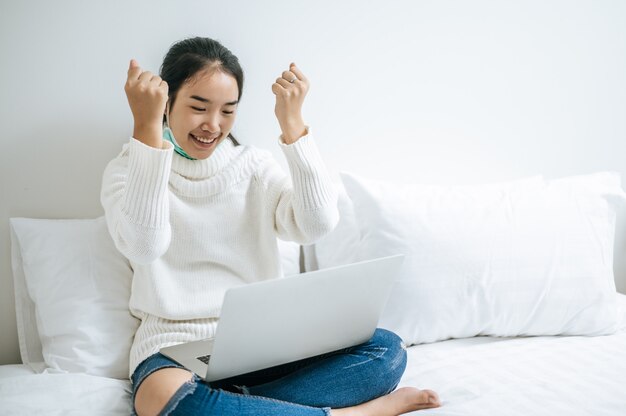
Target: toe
433,398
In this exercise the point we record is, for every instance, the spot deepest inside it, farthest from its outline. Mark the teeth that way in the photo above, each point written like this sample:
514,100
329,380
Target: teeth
203,140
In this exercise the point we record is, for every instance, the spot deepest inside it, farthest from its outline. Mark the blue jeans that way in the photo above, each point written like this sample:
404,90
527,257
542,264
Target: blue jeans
311,386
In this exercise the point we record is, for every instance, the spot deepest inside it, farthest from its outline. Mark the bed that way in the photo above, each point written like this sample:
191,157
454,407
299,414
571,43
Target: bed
474,376
506,302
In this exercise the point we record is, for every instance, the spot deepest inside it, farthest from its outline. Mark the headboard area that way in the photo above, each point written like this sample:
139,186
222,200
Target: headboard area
424,92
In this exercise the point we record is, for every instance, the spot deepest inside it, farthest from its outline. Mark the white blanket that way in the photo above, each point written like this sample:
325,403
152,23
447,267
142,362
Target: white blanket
523,376
484,376
63,394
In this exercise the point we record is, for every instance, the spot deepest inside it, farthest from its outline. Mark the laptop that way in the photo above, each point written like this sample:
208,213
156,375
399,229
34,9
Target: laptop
283,320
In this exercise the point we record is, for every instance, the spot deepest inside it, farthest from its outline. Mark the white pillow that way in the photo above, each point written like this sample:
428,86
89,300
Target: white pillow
289,257
28,337
71,294
339,247
79,286
528,257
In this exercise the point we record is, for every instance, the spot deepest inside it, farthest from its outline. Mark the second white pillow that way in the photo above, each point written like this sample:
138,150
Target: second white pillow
522,258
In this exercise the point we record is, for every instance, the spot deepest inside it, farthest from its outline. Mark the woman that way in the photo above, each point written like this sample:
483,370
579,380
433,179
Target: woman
196,213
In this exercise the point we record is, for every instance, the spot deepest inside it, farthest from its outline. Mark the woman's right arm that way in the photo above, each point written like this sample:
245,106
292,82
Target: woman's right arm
134,191
134,196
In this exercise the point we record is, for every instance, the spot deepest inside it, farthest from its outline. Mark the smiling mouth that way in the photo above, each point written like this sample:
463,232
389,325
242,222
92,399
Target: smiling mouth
204,141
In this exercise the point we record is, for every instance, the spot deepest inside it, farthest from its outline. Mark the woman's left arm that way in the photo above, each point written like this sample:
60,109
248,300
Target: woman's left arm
290,89
306,209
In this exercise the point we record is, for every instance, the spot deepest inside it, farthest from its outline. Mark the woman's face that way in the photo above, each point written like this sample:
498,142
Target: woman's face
204,112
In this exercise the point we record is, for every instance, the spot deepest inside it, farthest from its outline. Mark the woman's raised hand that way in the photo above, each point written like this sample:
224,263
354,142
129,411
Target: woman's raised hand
147,97
290,90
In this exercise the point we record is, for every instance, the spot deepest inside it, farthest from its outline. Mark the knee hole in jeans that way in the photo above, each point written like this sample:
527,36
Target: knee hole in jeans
158,388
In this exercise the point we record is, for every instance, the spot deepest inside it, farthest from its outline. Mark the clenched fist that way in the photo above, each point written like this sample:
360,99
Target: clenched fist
147,97
290,90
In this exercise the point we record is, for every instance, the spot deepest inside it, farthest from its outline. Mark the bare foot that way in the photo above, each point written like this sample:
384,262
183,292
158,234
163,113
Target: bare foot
401,401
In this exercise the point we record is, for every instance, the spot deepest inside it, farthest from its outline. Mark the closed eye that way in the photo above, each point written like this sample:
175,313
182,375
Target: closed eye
228,112
197,108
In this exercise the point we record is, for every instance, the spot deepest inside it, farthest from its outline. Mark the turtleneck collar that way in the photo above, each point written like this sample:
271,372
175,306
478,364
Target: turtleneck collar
227,165
201,169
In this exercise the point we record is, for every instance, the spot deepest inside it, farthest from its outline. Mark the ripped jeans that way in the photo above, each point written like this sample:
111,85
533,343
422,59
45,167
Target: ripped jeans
311,386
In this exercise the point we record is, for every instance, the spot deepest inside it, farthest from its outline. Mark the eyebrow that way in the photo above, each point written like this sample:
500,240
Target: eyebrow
206,100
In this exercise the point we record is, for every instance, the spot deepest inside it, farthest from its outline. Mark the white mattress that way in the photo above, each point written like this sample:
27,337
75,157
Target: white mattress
476,376
22,392
524,376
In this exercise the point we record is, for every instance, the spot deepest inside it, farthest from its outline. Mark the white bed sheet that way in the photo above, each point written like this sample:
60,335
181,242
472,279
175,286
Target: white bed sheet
475,376
524,375
23,392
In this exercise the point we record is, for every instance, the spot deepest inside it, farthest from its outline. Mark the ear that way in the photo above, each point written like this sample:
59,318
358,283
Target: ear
166,113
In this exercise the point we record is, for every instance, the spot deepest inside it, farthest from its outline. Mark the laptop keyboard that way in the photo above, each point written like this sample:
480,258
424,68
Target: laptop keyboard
205,359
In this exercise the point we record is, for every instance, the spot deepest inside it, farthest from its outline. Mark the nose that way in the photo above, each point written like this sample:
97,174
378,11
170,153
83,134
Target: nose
211,124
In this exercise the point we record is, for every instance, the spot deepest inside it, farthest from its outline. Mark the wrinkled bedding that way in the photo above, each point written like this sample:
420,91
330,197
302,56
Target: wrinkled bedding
22,392
524,376
475,376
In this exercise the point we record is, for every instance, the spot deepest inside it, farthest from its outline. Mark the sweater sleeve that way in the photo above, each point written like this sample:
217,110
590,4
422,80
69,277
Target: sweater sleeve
134,196
305,209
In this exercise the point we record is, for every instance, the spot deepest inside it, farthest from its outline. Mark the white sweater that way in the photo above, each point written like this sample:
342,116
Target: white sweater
191,229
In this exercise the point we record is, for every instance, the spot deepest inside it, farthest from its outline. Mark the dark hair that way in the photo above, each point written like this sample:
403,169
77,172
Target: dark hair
189,56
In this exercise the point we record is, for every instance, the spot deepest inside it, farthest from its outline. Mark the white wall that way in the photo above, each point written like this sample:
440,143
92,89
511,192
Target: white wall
419,91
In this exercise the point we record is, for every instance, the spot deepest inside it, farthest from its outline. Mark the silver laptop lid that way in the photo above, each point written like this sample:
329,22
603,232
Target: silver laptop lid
283,320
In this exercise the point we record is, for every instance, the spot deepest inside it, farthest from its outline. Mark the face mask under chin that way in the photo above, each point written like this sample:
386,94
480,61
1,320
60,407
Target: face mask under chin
169,136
